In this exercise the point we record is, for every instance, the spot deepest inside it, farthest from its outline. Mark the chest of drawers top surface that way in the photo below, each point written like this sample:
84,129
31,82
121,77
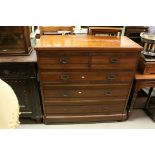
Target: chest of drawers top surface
71,42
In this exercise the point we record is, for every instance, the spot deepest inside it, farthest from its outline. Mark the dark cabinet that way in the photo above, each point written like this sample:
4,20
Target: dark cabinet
22,77
15,40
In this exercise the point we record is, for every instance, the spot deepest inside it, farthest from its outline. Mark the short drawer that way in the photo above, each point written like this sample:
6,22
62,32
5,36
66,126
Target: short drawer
86,77
110,107
117,61
87,91
63,61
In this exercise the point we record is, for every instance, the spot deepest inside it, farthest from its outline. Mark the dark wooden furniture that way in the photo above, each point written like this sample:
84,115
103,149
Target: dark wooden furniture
20,73
143,81
85,78
110,31
133,32
15,40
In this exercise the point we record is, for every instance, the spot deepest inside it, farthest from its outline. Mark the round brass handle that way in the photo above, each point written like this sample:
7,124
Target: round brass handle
64,60
4,50
114,60
64,77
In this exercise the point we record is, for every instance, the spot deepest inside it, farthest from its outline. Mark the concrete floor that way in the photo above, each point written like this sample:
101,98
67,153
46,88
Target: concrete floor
138,120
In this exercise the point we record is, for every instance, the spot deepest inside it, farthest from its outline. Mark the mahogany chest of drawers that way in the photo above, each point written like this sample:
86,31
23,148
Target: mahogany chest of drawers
85,78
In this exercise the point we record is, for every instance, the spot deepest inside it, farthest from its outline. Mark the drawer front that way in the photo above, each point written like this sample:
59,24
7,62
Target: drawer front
86,77
117,61
63,61
107,91
104,108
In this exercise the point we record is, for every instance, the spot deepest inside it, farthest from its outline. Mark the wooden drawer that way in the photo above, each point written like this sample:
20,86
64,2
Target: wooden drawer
104,108
86,77
63,61
117,61
86,91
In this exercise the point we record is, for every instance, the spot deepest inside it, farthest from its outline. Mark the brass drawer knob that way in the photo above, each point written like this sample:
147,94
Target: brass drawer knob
79,92
4,50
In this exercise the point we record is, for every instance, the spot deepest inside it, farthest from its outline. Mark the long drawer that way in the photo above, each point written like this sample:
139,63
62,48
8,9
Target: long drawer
110,107
87,91
86,77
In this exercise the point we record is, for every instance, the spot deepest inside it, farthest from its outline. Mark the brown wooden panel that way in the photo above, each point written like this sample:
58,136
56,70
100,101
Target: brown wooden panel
117,61
86,77
107,91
